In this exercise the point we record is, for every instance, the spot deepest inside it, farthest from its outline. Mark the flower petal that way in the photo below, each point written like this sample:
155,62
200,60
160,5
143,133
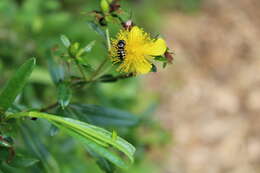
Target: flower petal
144,68
136,66
136,34
156,48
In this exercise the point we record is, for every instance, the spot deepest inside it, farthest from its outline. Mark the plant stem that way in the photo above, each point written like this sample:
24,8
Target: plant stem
105,60
81,70
45,109
108,40
84,82
98,70
115,78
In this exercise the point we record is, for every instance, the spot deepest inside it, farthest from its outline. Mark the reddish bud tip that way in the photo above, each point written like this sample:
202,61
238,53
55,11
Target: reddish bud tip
128,25
169,56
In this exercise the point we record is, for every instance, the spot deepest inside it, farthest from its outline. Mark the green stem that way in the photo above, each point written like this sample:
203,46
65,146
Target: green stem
96,73
108,40
115,78
83,82
81,70
49,107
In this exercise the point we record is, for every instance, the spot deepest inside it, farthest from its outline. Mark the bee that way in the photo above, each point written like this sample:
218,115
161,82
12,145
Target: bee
121,49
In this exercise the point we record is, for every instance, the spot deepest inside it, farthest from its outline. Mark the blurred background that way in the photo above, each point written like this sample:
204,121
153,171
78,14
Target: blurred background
203,110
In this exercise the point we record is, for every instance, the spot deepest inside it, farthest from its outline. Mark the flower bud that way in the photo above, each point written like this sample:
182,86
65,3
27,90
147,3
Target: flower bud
73,50
114,6
169,56
128,25
104,5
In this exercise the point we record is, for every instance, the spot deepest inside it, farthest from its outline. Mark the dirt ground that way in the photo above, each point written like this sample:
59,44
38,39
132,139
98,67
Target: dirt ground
210,96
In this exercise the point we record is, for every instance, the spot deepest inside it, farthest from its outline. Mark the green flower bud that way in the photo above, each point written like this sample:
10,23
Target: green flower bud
104,6
73,50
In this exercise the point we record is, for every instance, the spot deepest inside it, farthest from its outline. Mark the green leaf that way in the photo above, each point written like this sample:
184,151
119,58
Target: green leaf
53,130
65,41
108,78
164,64
89,46
96,28
82,61
97,139
15,85
4,154
161,58
33,144
5,168
64,94
86,49
103,116
114,135
103,163
57,71
20,161
103,151
154,68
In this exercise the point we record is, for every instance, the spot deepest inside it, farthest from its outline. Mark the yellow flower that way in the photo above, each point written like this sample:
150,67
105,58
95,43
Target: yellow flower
139,50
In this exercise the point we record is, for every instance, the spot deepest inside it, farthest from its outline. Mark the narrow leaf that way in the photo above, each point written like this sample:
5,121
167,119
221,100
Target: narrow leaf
4,154
108,78
64,94
164,64
34,144
96,28
57,72
160,58
103,151
65,41
103,116
97,139
154,68
5,168
103,163
89,46
114,135
20,161
53,130
15,85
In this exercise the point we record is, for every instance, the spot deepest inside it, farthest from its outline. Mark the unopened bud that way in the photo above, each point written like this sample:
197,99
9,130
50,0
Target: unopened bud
169,56
73,50
104,5
128,25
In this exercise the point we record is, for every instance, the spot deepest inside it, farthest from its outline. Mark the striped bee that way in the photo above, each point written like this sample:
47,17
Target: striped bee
121,49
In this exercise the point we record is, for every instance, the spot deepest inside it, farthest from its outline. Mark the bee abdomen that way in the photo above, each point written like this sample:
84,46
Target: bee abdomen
121,54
